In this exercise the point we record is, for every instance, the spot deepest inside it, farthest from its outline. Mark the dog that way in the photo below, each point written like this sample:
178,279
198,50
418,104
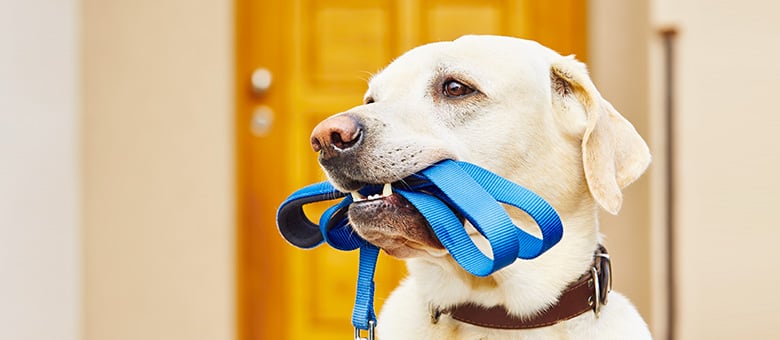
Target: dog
518,109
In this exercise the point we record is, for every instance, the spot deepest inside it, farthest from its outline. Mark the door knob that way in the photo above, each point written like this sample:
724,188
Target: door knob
261,80
262,120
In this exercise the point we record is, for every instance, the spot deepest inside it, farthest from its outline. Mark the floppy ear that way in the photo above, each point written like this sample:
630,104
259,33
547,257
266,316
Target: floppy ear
613,153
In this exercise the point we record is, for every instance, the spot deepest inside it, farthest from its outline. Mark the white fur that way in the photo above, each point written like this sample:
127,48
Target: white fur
570,146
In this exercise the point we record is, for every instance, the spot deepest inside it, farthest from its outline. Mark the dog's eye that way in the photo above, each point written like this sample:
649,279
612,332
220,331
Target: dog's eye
369,100
453,88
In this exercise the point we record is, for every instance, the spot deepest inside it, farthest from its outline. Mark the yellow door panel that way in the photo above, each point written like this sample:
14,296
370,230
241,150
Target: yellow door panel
320,54
337,45
447,20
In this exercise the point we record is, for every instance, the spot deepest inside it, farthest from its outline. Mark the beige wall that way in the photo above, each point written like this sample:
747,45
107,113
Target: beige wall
40,239
158,198
617,47
727,165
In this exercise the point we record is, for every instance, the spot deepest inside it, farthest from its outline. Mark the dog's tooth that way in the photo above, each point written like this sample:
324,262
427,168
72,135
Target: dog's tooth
357,197
387,190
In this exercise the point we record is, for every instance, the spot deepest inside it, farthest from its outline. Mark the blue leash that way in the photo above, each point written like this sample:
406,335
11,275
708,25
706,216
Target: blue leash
471,191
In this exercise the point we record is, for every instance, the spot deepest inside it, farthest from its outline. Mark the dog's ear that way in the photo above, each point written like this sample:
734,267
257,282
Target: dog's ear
613,153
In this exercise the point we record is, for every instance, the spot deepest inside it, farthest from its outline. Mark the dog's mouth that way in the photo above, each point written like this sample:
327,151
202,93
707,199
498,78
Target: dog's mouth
389,221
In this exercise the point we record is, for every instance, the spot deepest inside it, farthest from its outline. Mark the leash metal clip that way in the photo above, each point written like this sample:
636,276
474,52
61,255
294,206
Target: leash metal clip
371,327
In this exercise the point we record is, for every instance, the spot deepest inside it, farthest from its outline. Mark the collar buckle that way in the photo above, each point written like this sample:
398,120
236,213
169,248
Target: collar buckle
601,280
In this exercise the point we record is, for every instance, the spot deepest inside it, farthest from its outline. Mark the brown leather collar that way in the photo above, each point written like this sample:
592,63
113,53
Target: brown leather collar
589,292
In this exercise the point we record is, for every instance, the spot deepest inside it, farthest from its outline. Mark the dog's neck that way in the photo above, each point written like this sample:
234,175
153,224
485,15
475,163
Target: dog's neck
526,286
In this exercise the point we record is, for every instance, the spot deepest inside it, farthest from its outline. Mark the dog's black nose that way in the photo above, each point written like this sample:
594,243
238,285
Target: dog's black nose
335,135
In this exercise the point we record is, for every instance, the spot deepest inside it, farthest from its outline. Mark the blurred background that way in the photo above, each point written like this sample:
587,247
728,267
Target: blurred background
145,145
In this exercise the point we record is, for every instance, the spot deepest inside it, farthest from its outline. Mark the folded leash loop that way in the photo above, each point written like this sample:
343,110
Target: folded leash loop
543,213
453,236
465,195
441,193
335,228
293,224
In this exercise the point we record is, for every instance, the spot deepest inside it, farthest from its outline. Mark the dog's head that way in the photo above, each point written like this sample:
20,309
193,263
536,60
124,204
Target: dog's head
509,105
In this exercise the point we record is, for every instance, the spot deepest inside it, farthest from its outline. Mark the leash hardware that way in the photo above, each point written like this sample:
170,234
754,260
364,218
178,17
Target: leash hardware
371,326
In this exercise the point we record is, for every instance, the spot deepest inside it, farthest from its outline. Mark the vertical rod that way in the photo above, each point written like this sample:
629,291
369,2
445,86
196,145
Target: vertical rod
668,36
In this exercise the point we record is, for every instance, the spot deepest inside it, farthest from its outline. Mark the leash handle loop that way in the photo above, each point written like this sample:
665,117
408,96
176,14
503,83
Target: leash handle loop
293,224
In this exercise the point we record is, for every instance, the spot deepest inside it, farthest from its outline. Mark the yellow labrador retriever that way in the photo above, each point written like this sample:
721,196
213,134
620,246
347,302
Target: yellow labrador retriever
520,110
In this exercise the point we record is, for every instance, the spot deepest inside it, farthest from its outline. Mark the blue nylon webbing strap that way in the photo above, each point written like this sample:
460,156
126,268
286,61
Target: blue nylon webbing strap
471,191
293,223
545,216
363,312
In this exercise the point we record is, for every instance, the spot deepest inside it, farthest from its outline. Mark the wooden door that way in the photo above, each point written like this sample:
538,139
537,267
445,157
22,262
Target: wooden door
320,54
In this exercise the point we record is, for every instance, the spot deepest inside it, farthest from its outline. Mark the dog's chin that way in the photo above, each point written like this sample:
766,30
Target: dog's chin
395,225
